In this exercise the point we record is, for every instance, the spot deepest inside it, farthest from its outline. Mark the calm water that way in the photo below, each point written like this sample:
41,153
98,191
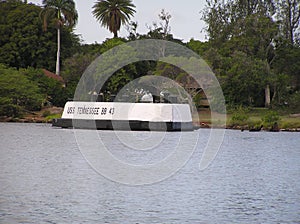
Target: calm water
44,178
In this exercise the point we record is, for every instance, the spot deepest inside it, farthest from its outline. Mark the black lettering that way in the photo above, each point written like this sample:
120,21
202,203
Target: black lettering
112,110
103,111
79,110
90,110
97,110
70,110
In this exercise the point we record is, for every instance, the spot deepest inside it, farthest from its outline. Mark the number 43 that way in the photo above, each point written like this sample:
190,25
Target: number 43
112,111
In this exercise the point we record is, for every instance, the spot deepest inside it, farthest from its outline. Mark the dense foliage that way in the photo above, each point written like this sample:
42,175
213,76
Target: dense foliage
26,90
253,48
17,93
23,43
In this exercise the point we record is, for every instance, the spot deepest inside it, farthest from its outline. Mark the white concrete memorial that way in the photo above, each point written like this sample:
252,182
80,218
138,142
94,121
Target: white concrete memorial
126,116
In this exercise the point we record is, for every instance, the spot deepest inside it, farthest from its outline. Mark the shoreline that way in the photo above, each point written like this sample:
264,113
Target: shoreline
244,128
48,113
200,125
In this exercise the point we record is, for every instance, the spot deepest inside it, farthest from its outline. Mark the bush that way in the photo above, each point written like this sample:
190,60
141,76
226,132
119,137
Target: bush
10,110
254,124
270,119
53,89
240,116
17,93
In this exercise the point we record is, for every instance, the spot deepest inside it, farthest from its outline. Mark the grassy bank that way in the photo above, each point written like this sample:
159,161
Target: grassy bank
245,118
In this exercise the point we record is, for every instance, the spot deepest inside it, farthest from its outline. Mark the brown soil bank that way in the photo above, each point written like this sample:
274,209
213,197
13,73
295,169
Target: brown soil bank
43,116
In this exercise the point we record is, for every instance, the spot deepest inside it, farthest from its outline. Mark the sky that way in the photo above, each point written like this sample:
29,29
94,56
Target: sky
185,22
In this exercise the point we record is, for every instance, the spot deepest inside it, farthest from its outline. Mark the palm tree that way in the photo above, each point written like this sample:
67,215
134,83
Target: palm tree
113,13
63,12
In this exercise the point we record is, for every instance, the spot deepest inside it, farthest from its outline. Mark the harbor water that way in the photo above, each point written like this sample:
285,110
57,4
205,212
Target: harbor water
44,178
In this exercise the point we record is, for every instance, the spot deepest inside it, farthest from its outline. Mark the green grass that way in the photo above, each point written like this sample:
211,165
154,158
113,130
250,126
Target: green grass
52,116
289,122
254,118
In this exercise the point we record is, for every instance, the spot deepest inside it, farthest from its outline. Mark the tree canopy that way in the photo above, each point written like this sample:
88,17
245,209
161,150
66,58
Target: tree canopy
252,47
113,13
24,44
249,37
61,13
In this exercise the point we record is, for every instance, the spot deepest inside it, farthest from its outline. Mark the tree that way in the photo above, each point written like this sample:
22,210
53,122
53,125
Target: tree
132,30
22,42
161,30
289,17
246,26
122,76
216,14
165,22
17,93
287,62
113,13
61,12
53,90
245,80
198,46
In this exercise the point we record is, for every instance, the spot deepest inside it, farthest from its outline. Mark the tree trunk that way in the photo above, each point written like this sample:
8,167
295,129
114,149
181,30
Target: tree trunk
116,34
275,94
267,96
58,52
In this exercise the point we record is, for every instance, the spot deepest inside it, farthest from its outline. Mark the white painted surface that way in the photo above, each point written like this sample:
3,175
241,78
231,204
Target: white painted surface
128,111
147,98
181,112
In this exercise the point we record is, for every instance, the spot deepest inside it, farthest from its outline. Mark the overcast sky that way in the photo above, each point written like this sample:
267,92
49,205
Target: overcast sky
185,22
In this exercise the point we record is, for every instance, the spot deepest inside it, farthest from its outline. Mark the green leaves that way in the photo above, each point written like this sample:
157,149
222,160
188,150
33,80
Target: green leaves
17,93
23,43
62,11
246,52
270,119
239,116
113,13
